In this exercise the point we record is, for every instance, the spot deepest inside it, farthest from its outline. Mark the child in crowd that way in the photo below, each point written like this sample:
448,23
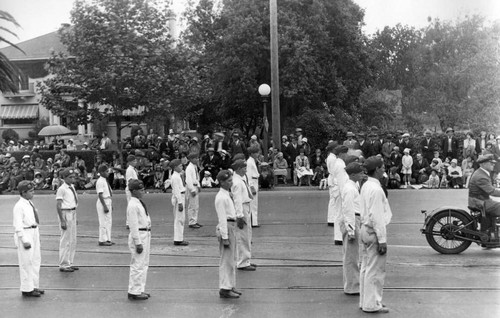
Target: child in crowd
207,181
467,170
56,182
394,178
444,177
158,177
38,180
433,182
407,162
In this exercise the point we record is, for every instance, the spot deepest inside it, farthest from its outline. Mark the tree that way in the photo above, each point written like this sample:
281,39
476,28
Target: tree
120,56
9,73
323,57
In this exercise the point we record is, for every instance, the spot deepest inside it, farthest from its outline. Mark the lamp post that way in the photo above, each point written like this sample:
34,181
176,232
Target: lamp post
264,91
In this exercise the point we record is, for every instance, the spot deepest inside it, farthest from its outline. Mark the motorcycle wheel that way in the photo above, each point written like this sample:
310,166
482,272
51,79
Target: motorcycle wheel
441,231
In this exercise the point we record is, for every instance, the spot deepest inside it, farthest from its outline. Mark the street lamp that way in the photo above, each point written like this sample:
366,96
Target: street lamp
264,91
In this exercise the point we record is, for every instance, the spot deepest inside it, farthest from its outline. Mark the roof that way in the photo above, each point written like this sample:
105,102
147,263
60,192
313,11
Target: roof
37,48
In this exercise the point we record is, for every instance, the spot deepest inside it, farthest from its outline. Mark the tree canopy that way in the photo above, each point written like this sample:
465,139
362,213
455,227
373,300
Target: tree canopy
9,73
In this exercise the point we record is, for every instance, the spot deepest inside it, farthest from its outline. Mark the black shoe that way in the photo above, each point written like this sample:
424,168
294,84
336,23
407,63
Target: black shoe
330,224
234,290
41,291
137,297
247,268
147,294
338,243
226,293
107,243
352,294
182,243
254,265
66,269
32,293
200,225
194,226
75,268
112,243
255,225
128,227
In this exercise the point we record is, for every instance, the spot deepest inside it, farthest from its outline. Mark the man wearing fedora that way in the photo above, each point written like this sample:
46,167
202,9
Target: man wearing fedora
449,145
350,143
481,188
25,221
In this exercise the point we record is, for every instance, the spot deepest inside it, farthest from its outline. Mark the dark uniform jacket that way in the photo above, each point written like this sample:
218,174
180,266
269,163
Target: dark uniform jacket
454,147
427,148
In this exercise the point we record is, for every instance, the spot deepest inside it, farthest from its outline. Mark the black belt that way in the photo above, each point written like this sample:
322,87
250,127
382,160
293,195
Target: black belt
31,227
357,214
69,209
145,229
231,220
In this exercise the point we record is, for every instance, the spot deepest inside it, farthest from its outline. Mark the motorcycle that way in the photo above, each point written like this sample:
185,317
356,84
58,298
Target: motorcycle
451,230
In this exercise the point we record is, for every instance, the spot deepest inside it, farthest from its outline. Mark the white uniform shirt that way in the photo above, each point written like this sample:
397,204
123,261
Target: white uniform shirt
130,173
350,205
101,186
375,210
137,219
224,206
240,193
339,173
192,178
23,216
330,164
252,171
178,188
68,197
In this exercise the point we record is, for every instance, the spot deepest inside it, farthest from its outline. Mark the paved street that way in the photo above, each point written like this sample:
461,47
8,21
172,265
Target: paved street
299,271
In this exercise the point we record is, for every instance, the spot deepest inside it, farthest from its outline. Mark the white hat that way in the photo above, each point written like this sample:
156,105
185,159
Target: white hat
8,155
406,135
207,173
86,143
170,131
454,160
26,142
195,138
26,157
407,150
11,142
253,137
304,139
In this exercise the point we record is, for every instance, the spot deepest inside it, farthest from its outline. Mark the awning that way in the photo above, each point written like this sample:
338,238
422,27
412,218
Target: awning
134,111
18,111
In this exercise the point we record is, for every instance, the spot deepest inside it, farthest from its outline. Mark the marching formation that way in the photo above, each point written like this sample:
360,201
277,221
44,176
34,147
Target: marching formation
358,210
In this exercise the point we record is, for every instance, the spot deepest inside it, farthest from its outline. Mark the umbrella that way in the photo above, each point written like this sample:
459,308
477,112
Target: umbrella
54,130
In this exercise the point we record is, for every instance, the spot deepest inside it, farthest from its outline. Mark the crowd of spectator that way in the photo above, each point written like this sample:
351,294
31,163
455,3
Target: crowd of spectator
418,161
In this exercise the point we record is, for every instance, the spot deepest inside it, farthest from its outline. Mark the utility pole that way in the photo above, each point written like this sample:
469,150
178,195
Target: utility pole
275,86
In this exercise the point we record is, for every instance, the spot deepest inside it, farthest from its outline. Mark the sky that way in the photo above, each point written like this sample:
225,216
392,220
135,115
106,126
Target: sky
39,17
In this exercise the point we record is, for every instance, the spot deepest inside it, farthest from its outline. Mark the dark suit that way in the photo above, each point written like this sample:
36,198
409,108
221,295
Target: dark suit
365,147
239,147
427,148
292,153
480,189
454,147
406,144
417,166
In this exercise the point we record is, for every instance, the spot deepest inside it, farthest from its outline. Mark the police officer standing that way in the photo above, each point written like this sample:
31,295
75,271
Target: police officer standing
139,240
27,239
67,202
178,199
104,206
224,206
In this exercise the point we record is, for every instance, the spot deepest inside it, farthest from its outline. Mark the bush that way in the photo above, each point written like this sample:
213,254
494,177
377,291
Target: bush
10,134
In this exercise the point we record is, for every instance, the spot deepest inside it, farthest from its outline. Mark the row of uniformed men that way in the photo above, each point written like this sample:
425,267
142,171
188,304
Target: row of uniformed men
359,217
25,220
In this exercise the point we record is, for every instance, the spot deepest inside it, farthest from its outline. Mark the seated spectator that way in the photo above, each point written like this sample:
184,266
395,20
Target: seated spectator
38,181
27,167
85,146
467,170
444,177
318,165
15,177
71,145
65,159
280,168
394,178
420,169
211,162
158,177
207,181
266,177
455,175
433,182
302,169
395,158
225,160
4,178
56,181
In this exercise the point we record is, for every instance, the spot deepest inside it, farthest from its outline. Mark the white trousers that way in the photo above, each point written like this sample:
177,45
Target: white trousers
244,240
105,219
227,271
334,206
179,219
29,260
193,206
351,261
128,195
139,263
67,243
372,274
254,204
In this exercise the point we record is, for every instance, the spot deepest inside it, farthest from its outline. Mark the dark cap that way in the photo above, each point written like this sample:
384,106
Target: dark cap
174,163
130,158
340,149
353,168
238,156
372,163
486,158
239,163
253,150
67,172
25,185
102,168
223,175
351,159
192,156
134,184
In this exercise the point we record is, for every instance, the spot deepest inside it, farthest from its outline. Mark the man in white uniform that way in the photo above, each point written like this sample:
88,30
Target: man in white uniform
332,183
340,177
130,173
104,206
27,239
242,197
193,190
139,240
224,206
350,221
67,202
253,182
375,216
178,199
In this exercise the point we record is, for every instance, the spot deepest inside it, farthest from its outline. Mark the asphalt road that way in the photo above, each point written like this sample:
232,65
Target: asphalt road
299,273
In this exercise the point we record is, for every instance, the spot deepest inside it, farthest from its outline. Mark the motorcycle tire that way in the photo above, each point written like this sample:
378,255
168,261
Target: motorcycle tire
441,231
